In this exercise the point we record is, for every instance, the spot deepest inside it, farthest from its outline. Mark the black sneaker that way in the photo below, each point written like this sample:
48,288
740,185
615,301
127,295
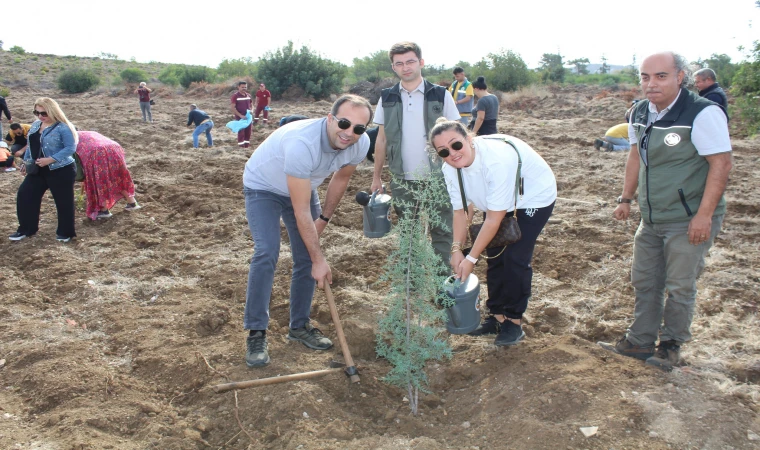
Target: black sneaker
489,326
598,143
310,337
510,333
17,236
666,356
256,354
608,147
626,348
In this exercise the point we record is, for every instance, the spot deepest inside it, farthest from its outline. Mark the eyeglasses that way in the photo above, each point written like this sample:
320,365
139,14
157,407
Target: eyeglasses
344,124
40,113
409,63
444,152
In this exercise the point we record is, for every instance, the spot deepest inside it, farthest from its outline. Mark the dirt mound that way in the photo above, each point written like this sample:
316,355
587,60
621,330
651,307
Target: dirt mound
372,91
115,340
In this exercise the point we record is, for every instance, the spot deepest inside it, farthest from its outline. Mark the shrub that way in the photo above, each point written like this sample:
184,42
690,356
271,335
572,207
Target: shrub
242,67
286,67
170,75
185,75
746,88
133,75
17,50
74,81
4,92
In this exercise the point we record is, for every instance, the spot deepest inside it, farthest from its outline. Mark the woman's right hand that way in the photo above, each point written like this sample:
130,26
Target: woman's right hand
22,168
456,259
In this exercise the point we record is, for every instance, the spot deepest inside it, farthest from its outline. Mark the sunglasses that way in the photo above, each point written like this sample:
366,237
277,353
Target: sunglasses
444,152
344,124
40,113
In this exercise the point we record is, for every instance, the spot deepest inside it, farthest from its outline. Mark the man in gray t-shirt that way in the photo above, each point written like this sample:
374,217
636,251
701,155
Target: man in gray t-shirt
280,181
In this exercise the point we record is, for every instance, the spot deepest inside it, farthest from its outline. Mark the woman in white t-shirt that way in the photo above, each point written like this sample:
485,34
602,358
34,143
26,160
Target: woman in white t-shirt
489,170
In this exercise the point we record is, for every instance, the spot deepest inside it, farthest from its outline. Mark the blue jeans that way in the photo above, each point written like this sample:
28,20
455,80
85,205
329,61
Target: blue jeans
663,260
203,128
264,210
618,144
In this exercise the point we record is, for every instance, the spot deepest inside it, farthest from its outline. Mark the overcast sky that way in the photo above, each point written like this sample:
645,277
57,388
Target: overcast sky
207,32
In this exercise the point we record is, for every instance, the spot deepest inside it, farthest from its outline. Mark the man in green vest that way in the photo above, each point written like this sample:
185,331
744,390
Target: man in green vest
462,92
405,114
680,160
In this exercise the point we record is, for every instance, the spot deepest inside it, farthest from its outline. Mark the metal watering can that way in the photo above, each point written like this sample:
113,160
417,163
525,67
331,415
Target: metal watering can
377,213
464,315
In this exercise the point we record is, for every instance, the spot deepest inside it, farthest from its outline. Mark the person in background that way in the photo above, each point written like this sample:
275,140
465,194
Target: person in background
106,177
240,103
263,99
706,83
17,139
6,158
615,139
4,110
488,166
202,123
143,92
462,93
48,165
487,111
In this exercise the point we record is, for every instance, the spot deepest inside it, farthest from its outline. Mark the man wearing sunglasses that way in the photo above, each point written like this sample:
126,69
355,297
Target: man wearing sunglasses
680,160
406,113
280,183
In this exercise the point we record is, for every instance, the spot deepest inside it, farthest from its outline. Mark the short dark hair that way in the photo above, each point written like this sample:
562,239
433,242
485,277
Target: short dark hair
355,100
480,83
242,82
705,73
457,70
15,126
405,47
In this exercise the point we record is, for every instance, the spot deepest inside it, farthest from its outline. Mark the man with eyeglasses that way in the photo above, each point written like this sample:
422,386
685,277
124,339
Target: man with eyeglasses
280,182
405,114
680,160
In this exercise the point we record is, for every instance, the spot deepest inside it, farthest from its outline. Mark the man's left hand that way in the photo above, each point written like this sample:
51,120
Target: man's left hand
699,229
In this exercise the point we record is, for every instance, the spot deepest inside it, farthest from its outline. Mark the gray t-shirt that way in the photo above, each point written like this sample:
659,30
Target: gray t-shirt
490,105
302,150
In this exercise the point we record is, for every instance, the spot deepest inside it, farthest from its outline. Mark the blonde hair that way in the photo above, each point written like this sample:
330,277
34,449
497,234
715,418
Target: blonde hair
54,112
143,84
443,124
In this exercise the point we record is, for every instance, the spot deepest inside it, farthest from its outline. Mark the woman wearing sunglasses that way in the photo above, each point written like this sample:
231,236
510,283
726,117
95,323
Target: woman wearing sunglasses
489,166
48,164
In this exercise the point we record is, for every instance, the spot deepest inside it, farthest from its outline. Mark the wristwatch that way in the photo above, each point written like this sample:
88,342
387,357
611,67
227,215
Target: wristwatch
326,219
624,200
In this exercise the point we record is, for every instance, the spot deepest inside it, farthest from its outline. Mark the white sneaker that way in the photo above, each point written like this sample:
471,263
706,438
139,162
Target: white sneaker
132,206
104,214
10,169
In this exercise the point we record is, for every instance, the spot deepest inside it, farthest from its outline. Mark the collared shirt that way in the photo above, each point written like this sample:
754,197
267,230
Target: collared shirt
414,151
302,150
709,132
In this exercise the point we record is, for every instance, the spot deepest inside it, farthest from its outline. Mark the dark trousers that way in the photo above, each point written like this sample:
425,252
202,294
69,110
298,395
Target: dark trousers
510,275
8,162
29,199
244,135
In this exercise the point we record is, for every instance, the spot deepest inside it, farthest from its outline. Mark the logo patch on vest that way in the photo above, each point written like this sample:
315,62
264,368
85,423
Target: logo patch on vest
437,108
672,139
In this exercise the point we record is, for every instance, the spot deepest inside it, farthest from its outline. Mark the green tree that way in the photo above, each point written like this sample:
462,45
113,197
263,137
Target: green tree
746,89
504,71
372,68
604,68
723,68
241,67
552,68
185,75
133,75
286,67
17,50
75,81
409,334
581,65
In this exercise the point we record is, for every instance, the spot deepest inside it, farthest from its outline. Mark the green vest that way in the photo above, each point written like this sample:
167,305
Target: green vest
393,115
673,182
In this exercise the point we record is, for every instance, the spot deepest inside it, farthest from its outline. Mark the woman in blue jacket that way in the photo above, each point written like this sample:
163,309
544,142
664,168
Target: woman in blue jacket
48,164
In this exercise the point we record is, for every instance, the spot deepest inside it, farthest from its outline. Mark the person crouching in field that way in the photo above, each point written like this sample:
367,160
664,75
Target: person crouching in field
280,182
106,177
6,158
202,123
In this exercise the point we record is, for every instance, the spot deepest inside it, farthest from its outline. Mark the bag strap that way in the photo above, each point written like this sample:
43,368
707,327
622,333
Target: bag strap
464,198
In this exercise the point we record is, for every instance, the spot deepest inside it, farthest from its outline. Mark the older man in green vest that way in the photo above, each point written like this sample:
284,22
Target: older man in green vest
405,114
680,160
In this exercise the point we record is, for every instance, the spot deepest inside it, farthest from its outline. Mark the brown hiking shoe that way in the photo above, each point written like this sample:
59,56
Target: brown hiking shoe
625,348
666,356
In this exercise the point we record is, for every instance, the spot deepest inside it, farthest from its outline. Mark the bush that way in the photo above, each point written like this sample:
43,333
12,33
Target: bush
4,92
185,75
318,77
17,50
75,81
243,67
133,75
746,89
170,75
504,71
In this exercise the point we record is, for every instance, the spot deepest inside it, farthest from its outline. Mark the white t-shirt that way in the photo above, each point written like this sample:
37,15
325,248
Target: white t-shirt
302,150
489,182
414,142
709,132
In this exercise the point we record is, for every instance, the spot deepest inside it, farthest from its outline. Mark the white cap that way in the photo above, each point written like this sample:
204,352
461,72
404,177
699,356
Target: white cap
3,145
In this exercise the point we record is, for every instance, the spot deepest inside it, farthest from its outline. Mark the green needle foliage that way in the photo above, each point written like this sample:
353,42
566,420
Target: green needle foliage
410,334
